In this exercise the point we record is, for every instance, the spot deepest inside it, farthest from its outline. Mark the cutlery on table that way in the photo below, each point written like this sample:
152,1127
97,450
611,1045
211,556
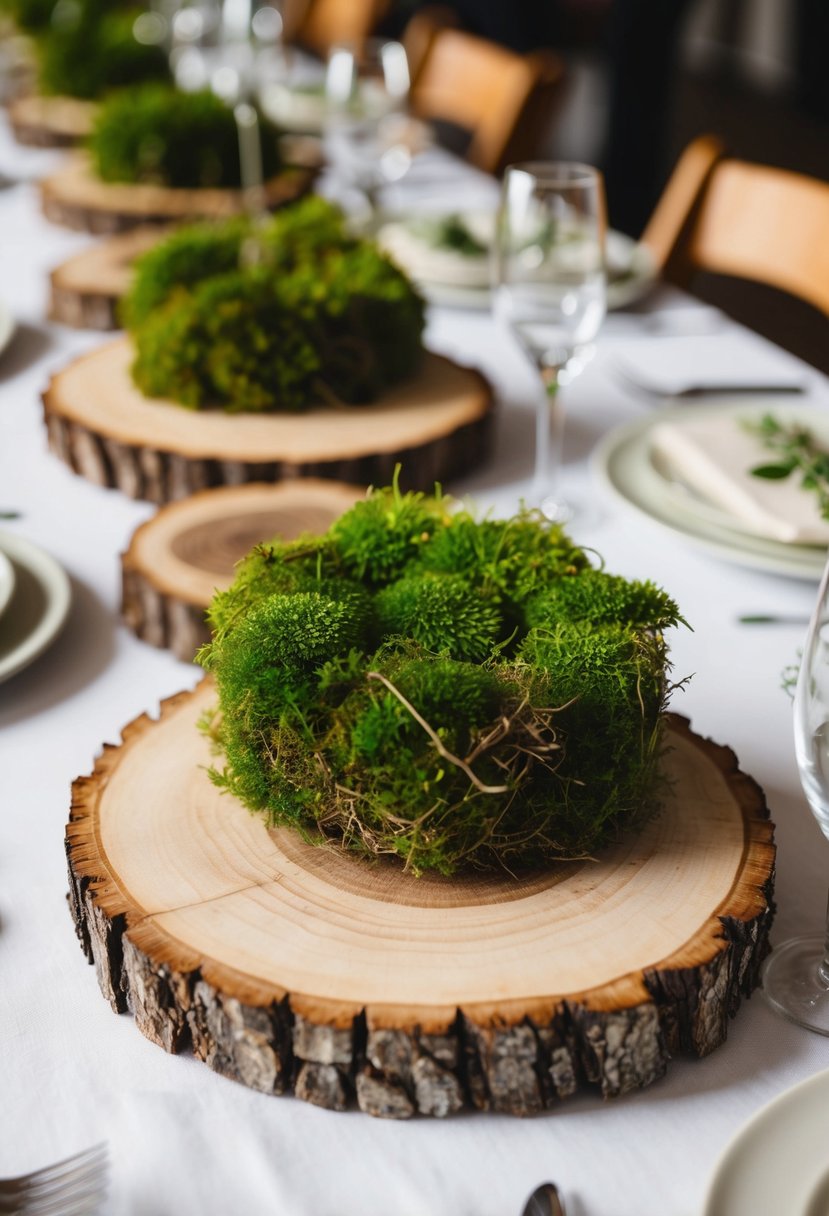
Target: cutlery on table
75,1186
544,1201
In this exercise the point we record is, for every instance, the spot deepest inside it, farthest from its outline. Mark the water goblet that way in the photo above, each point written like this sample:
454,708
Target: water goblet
549,290
369,133
795,976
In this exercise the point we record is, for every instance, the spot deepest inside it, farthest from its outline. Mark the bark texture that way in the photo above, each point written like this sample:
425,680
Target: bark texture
508,1058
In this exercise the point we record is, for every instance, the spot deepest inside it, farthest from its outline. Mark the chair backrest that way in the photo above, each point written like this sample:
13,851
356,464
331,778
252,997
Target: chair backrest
502,98
745,220
321,24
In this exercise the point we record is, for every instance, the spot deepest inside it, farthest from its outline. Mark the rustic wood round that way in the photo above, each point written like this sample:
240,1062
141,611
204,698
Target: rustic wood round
86,288
188,550
51,122
437,424
288,966
77,198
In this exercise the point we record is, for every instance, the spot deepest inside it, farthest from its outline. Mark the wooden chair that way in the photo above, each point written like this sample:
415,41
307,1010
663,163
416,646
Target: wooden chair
748,221
321,24
504,100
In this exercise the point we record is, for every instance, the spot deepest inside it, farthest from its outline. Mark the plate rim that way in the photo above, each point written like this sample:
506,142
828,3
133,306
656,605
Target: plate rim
57,587
745,1133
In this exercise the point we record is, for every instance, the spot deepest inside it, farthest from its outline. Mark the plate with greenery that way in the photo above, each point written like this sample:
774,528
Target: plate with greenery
626,464
448,254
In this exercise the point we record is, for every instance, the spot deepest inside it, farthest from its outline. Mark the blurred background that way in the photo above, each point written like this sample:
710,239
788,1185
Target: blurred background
644,77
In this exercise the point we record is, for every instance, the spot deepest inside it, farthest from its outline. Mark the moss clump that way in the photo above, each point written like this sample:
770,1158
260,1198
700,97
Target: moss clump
489,714
153,133
95,51
322,316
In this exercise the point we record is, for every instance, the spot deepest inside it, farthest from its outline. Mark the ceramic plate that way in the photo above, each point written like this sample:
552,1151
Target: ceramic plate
458,281
778,1164
7,581
37,608
6,326
624,464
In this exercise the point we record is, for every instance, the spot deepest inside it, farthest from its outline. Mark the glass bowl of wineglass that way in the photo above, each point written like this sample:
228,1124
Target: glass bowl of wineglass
370,136
549,290
795,976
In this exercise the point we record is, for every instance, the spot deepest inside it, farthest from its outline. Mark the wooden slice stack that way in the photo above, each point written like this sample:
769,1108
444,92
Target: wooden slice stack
290,967
177,560
437,425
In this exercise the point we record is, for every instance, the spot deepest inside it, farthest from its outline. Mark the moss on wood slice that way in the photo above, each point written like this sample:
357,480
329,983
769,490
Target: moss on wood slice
292,967
438,424
177,560
76,198
86,288
51,122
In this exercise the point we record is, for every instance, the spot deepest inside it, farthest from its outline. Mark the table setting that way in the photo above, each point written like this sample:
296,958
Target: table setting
294,1020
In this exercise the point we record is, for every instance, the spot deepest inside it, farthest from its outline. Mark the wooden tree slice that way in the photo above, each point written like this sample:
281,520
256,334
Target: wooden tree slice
288,966
177,560
51,122
75,197
85,289
437,424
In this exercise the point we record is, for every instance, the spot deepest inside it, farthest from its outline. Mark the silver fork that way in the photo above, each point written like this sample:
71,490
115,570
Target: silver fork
73,1187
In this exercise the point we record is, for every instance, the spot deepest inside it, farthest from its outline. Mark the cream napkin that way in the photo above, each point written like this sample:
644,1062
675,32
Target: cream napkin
713,454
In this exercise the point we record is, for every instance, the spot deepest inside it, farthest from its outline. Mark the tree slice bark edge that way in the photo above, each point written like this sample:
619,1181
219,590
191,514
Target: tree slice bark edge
488,1061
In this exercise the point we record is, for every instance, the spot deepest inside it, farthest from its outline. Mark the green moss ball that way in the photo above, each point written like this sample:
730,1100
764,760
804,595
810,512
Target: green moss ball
154,133
95,53
322,317
368,695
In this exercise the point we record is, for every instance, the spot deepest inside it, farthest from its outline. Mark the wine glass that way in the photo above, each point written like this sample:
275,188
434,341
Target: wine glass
550,291
370,137
796,974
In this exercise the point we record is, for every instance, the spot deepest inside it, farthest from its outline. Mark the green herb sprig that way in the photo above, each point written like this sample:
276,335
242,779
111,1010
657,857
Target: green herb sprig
798,452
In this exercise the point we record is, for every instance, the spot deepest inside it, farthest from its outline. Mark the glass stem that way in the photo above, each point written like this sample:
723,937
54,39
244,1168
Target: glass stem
253,186
549,433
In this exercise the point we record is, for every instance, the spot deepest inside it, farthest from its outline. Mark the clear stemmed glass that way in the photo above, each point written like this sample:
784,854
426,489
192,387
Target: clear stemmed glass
550,291
369,134
796,973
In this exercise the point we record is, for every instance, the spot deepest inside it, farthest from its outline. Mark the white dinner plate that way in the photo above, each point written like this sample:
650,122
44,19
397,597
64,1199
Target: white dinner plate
624,464
462,281
37,608
778,1164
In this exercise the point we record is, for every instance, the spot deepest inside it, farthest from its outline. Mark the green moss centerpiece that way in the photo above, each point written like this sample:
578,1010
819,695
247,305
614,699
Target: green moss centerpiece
323,317
448,690
156,134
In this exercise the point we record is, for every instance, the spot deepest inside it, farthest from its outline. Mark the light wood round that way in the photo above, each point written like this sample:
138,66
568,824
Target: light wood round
51,122
86,288
76,197
437,424
293,965
177,560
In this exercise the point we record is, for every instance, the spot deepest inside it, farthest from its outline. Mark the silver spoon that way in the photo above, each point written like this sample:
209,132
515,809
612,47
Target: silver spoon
544,1201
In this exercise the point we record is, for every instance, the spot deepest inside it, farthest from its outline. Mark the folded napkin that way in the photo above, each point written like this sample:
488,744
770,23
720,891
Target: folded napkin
713,454
727,362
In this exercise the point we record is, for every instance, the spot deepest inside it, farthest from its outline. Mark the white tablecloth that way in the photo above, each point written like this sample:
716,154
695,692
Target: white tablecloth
184,1140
